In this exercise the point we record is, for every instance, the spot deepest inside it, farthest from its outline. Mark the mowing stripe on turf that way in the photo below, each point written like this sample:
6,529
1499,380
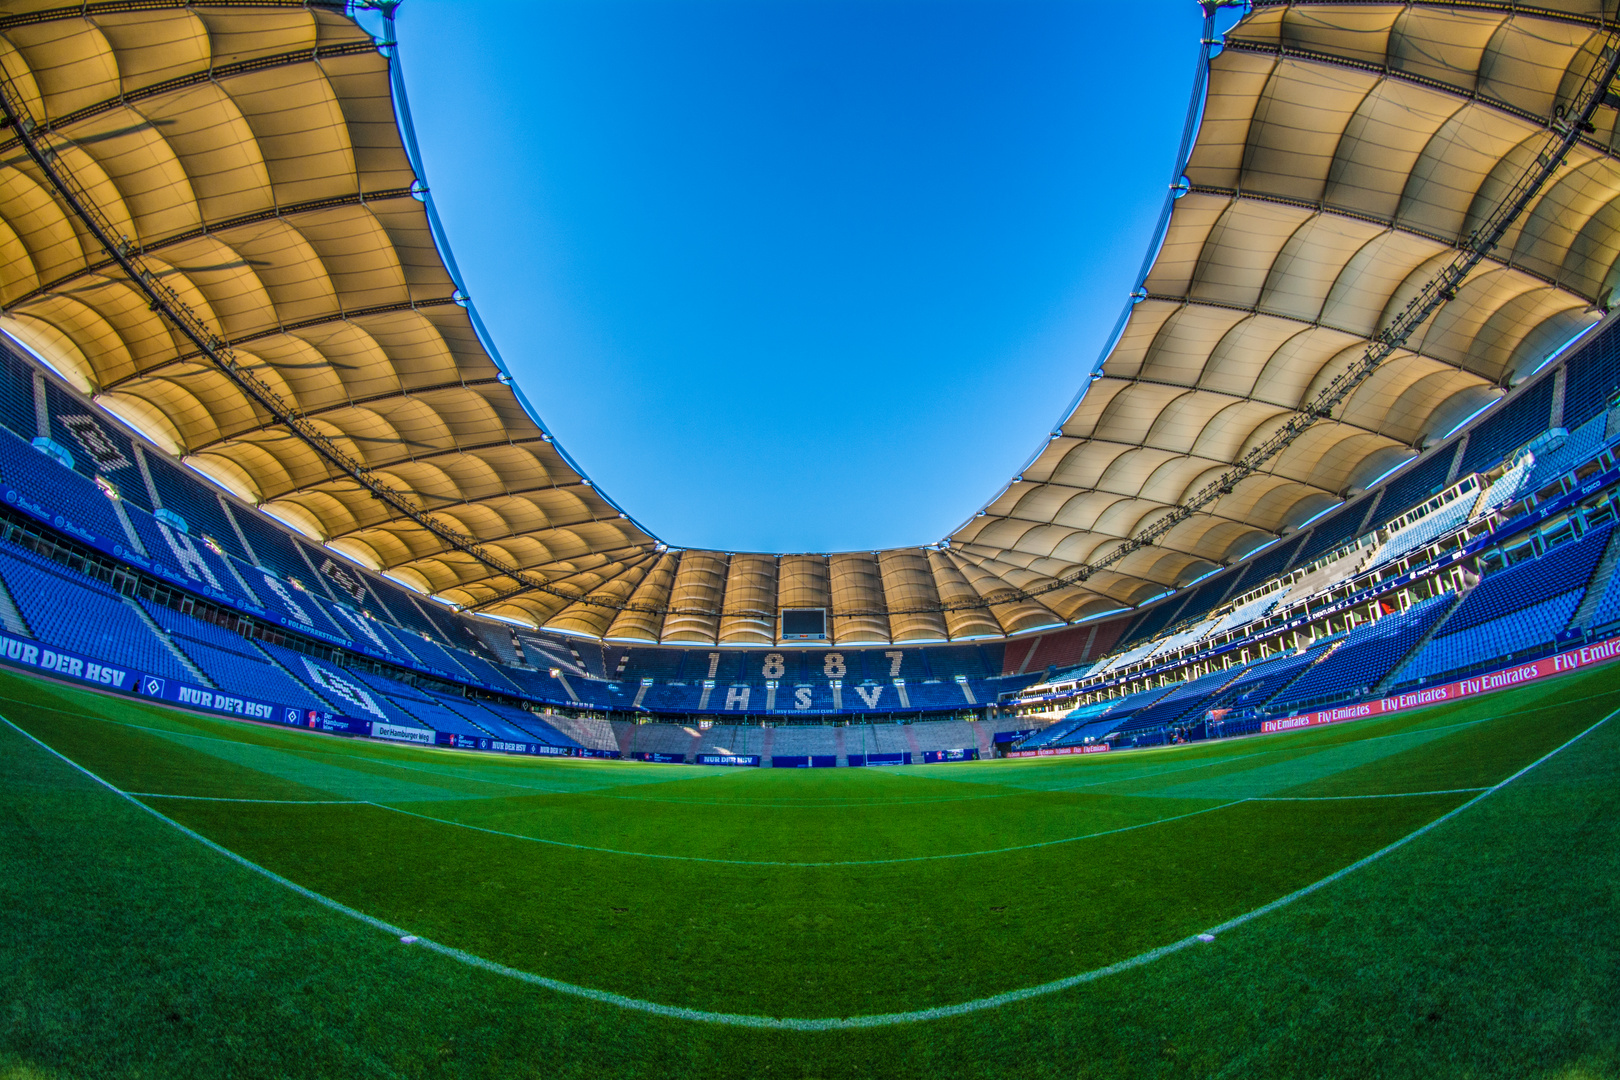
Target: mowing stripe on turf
853,862
843,1023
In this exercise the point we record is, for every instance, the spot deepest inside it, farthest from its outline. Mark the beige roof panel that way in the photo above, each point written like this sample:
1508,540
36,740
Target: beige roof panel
249,158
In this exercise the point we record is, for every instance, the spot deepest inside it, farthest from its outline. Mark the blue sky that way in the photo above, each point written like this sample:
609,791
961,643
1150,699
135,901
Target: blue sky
799,276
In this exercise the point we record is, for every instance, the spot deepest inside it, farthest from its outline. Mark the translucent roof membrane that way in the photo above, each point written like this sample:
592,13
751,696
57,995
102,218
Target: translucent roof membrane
250,158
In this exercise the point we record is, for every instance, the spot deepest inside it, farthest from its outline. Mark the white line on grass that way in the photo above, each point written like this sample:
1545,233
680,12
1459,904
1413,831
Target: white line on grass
1157,772
446,774
831,1023
1297,894
1339,798
747,804
315,750
852,862
276,802
697,774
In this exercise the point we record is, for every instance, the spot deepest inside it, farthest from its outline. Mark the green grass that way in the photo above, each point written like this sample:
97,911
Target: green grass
1483,948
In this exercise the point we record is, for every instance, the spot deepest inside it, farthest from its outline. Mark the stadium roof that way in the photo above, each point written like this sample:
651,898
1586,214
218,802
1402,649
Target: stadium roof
212,218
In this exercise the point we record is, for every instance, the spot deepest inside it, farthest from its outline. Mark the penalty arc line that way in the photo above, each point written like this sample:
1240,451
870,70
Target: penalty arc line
843,1023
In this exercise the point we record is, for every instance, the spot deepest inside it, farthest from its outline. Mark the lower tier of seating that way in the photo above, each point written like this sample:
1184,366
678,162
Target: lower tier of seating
1507,636
1520,609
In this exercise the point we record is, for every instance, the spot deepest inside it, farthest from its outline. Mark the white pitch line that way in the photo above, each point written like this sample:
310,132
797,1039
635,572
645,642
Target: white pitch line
841,1023
1114,779
445,774
274,802
852,862
1340,798
597,793
1297,894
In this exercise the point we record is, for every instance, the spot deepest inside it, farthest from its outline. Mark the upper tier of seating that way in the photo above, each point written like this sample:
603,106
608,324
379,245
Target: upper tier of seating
1424,531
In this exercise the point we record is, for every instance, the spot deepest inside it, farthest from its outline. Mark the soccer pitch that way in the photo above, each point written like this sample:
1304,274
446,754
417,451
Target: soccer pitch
1037,917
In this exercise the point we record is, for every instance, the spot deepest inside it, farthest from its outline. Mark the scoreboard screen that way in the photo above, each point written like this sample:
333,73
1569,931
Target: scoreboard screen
804,624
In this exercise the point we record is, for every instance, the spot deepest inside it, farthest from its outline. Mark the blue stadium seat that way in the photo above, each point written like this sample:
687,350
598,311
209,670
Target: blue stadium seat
1364,656
949,661
651,663
1184,701
364,632
187,556
17,392
197,501
1608,605
1424,531
179,625
446,624
484,671
1263,567
1081,717
470,712
419,704
1509,486
1118,712
271,544
497,638
537,729
1509,426
291,602
83,505
1584,443
540,686
1261,680
1485,642
1560,570
344,692
99,448
230,661
1333,531
426,651
1591,377
1415,484
66,610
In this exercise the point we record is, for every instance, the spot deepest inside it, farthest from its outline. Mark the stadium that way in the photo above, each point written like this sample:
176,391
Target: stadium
1260,726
